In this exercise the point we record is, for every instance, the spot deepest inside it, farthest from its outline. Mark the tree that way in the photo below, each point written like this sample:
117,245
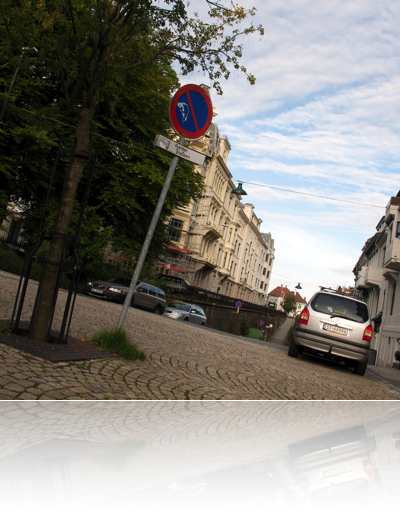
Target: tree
289,303
86,47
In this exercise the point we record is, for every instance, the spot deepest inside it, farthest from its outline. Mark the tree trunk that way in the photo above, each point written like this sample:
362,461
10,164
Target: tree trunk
48,282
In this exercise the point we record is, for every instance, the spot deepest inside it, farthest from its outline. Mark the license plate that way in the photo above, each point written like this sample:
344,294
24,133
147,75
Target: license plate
99,291
335,329
335,472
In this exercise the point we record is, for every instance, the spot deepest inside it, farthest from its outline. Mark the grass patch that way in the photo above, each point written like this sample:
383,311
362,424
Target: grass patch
254,333
4,326
117,459
118,341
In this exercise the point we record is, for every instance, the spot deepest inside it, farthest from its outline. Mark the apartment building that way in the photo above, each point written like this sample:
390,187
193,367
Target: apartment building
377,277
217,240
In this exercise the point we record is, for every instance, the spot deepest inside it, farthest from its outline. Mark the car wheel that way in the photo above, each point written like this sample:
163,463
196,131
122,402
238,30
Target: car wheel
360,368
158,310
186,319
203,323
293,349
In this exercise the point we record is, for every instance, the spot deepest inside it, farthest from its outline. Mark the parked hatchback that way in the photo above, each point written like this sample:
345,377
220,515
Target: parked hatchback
336,327
145,296
186,312
334,468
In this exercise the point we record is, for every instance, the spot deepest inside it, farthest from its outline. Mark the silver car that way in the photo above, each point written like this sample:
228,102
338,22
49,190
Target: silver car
336,327
186,312
334,468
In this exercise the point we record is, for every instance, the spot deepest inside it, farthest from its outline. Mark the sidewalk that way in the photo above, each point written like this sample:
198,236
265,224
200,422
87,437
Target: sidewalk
280,335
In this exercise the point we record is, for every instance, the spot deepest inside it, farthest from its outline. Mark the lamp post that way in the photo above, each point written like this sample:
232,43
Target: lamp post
220,256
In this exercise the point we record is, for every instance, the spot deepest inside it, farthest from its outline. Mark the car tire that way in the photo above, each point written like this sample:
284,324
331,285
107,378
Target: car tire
203,324
293,349
158,310
361,367
186,319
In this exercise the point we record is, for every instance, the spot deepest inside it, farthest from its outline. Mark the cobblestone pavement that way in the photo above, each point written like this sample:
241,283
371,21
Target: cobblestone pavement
201,400
183,362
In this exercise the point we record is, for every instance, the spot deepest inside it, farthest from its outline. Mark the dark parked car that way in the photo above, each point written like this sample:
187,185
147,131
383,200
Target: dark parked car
97,288
145,296
185,312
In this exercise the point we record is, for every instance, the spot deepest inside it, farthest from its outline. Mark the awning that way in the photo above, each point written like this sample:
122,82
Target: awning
176,248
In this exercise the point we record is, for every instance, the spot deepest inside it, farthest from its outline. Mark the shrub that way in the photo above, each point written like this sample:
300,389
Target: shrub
245,327
397,355
118,341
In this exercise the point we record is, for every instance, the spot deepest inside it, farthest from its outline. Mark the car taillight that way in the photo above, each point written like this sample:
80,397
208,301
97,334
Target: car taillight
305,315
368,467
367,333
304,484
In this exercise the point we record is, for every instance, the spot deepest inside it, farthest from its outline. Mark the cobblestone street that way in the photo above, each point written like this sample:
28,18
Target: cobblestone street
200,401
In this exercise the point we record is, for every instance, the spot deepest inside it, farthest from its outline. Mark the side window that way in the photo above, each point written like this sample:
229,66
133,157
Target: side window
201,311
143,288
152,291
160,293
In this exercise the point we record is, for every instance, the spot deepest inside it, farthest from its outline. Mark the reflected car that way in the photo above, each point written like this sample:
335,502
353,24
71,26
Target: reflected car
145,296
336,327
334,468
185,312
186,488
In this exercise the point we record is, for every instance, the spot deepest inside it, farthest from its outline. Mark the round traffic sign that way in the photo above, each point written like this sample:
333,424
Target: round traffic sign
261,323
239,304
190,111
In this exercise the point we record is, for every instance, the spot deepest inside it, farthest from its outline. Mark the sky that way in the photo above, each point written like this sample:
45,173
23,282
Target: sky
322,119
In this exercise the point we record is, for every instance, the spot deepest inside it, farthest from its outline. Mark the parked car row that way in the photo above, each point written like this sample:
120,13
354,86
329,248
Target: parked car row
146,296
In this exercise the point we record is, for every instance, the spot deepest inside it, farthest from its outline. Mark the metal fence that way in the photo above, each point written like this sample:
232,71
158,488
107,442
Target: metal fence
209,297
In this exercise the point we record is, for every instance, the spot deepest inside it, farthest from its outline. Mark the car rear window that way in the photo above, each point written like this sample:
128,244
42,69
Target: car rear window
329,304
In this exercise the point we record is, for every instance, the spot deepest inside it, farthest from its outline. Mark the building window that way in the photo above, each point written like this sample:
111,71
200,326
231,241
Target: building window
264,271
393,298
398,231
175,231
261,284
391,232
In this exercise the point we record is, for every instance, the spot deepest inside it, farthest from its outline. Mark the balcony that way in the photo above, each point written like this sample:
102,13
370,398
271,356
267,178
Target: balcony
373,277
360,282
213,230
390,275
392,258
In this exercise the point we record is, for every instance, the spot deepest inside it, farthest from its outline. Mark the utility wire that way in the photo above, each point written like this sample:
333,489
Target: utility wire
310,195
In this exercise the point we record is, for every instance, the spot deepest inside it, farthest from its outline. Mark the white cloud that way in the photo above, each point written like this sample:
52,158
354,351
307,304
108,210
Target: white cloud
323,119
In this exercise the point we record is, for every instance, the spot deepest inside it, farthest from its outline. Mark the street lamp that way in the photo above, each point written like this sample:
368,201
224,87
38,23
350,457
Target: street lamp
239,190
220,257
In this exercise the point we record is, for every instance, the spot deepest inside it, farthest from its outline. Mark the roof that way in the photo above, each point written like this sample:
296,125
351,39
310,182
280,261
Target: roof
283,291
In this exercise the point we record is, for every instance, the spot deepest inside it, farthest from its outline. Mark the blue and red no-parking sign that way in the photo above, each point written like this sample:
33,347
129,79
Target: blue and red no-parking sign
190,111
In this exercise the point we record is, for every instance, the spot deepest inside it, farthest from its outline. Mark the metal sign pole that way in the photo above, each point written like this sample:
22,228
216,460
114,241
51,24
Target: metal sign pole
149,236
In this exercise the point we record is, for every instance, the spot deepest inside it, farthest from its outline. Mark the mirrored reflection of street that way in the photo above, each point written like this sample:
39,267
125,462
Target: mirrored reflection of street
176,460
